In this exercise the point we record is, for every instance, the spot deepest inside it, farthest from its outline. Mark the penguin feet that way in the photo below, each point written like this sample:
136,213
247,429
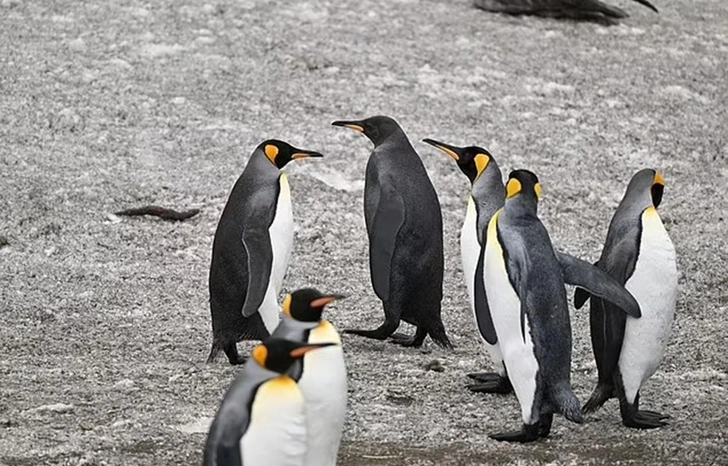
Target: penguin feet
231,351
529,433
414,341
489,382
375,334
645,420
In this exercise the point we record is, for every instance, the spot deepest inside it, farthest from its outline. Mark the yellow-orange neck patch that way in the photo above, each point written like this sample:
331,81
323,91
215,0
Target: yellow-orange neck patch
538,190
260,354
271,152
658,179
512,188
287,305
481,163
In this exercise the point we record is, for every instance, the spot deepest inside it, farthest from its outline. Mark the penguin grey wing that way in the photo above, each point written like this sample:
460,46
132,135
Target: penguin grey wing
597,282
482,311
388,219
256,240
230,424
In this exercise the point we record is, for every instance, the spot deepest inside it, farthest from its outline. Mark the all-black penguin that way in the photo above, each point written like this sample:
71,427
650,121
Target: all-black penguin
261,420
639,254
321,375
487,195
524,282
404,223
251,250
590,10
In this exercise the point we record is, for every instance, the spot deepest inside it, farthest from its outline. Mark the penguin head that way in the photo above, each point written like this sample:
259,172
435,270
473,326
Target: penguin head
472,160
376,128
523,186
307,304
647,185
278,354
280,153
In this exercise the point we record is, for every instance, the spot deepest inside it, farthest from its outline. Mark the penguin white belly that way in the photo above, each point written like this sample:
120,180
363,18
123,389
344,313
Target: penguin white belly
324,387
505,307
470,250
654,285
276,435
281,239
470,253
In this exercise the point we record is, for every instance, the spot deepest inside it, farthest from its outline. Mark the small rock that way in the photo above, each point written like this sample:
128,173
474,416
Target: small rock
77,45
58,408
4,242
67,120
113,218
124,384
434,365
7,423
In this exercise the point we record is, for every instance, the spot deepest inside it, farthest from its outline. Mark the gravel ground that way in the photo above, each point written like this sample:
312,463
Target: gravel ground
104,322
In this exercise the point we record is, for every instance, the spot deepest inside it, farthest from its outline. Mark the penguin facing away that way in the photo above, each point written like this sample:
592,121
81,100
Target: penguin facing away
404,224
487,195
261,420
589,10
524,282
251,250
321,374
639,254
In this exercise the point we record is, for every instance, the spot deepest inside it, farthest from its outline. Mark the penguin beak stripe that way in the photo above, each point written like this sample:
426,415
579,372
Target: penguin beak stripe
658,179
303,155
300,352
443,148
513,188
356,128
321,302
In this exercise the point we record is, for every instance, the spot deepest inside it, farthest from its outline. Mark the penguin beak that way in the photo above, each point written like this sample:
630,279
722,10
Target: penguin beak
355,125
452,151
658,186
303,154
324,300
302,350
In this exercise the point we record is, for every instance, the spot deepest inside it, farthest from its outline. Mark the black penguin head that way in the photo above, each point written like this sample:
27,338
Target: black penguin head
307,304
523,186
277,354
280,153
648,185
376,128
472,160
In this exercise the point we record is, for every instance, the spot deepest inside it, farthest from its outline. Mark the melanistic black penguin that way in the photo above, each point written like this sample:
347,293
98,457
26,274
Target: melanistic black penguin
589,10
321,375
487,195
524,282
639,254
250,253
404,223
262,418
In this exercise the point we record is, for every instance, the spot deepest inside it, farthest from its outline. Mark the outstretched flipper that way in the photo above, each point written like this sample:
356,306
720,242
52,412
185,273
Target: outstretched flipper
592,10
387,221
256,240
598,283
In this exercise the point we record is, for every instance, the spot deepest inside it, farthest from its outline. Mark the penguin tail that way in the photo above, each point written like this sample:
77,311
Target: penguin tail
438,335
213,353
566,403
598,397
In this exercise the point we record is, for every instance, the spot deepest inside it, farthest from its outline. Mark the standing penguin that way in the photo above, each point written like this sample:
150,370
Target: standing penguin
261,420
404,223
524,282
638,253
321,375
251,250
487,195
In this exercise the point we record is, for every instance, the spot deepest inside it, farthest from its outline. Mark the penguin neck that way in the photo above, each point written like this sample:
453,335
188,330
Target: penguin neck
395,138
263,167
487,189
302,323
521,207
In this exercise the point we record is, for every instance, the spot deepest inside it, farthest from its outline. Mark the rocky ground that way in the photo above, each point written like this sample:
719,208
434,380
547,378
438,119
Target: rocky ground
104,322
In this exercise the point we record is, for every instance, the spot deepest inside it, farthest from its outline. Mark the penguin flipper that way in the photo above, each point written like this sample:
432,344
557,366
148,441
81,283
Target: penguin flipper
598,283
482,311
388,219
256,240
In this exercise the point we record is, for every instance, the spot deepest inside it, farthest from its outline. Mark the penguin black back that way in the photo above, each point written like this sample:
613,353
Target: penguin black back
404,223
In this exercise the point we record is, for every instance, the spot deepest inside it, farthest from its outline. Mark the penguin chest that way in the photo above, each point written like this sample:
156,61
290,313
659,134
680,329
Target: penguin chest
470,249
505,308
324,387
281,240
654,285
276,434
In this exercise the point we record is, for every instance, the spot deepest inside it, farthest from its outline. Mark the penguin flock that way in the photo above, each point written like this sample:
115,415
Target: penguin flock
288,405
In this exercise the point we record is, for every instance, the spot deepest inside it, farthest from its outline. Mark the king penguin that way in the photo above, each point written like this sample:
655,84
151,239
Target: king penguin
524,283
261,420
321,374
639,254
404,224
487,195
251,249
